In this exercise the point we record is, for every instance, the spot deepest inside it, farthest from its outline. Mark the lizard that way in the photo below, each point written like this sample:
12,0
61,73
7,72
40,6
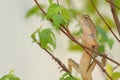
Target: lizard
88,37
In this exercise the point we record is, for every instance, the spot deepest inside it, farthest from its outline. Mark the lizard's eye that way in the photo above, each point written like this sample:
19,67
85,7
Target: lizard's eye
86,16
93,46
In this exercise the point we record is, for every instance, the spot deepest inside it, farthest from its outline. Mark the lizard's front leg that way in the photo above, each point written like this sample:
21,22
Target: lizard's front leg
72,63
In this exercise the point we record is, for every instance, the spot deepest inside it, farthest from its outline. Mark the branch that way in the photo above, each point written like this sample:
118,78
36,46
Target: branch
57,60
84,47
58,2
74,40
113,4
115,16
105,21
40,7
99,65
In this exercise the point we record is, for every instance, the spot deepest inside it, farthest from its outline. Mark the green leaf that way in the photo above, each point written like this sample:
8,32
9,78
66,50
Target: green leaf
10,76
33,35
109,69
110,43
65,14
35,10
74,47
101,48
58,14
53,9
108,20
88,6
47,38
50,1
67,77
102,32
117,3
57,20
32,11
116,75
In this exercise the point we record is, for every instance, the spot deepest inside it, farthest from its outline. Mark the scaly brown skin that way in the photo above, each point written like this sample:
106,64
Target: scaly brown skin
86,66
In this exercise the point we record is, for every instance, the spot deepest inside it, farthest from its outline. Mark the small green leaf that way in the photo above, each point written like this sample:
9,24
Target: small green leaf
102,32
32,11
57,20
10,76
33,35
47,38
116,75
117,3
110,43
35,10
74,47
109,69
50,1
65,14
53,9
58,14
66,76
89,7
101,48
69,78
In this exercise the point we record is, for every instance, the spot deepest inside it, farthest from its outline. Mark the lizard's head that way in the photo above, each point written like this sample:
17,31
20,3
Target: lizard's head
82,17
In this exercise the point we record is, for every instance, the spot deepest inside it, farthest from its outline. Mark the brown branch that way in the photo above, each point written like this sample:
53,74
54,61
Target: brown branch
84,47
56,59
113,4
99,65
40,7
105,21
115,15
58,2
74,40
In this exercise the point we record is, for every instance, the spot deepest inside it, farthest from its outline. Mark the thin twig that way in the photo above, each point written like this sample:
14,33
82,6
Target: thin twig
105,21
113,4
57,60
40,7
115,16
58,2
115,67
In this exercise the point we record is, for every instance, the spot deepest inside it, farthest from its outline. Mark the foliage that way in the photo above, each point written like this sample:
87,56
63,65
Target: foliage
35,10
115,75
66,76
10,76
58,14
46,38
